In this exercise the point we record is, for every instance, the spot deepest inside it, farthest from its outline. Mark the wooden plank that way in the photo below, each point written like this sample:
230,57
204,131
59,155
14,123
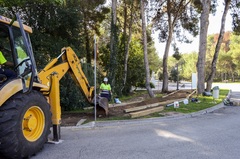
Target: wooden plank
151,105
171,93
140,108
80,122
191,94
146,112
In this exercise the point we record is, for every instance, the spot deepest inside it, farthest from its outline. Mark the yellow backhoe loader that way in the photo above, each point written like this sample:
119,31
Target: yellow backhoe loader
30,103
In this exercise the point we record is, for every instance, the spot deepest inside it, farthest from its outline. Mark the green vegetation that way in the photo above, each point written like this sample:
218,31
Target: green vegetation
133,95
203,103
75,23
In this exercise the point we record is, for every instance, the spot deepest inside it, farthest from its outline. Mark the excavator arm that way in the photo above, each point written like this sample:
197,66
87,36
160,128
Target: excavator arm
25,119
71,64
51,76
77,73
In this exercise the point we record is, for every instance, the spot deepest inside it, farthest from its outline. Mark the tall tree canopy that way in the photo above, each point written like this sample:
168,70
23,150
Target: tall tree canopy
235,8
171,18
55,26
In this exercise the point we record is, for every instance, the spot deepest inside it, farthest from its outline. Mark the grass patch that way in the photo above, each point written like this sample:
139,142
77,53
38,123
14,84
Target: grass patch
203,103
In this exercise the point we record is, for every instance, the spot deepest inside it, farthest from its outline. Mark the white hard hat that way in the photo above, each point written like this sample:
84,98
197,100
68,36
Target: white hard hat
105,79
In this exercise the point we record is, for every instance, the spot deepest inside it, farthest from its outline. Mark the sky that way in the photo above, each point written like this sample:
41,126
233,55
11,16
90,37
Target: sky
214,27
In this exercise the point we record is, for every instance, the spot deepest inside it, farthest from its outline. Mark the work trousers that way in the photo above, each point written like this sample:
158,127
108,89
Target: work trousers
9,73
106,94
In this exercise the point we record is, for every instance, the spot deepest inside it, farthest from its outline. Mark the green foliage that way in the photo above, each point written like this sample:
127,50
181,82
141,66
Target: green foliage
189,65
173,74
211,44
153,58
235,49
235,8
56,26
228,61
177,55
72,98
135,65
183,17
136,73
204,102
143,85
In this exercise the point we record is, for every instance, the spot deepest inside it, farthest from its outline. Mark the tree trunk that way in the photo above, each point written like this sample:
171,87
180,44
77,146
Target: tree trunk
113,45
165,56
232,73
218,46
127,44
150,92
165,60
204,22
87,43
88,52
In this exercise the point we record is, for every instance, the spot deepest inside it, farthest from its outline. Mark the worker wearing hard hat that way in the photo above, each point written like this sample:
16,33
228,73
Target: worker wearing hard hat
105,89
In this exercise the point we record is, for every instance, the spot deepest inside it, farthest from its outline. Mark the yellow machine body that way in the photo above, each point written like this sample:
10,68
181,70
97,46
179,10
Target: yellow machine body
52,74
14,23
16,86
35,97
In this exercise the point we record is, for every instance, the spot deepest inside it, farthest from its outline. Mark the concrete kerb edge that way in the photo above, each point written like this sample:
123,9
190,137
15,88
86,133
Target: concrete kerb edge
99,124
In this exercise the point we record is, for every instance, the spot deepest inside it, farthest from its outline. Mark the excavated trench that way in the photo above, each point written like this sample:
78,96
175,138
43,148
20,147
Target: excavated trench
119,110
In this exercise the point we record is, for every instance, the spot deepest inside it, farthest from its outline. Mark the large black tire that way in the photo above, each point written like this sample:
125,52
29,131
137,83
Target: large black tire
25,121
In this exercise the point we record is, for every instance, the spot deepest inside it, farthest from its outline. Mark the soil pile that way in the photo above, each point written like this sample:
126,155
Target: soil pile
117,110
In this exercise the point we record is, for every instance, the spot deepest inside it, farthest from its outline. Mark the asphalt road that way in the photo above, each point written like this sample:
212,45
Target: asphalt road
209,136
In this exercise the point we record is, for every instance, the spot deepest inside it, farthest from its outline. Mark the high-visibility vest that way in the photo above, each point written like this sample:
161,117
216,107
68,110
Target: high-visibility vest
105,87
21,53
2,59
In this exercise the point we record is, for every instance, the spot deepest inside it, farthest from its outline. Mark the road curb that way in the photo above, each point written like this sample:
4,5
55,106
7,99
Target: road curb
114,123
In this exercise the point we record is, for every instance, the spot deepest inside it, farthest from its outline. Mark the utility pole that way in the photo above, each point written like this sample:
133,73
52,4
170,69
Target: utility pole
177,77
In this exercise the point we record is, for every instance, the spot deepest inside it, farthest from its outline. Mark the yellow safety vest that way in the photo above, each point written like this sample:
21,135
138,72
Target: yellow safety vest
106,87
2,59
21,53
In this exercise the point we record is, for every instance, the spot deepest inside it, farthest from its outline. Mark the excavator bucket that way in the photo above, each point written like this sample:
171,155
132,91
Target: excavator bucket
102,105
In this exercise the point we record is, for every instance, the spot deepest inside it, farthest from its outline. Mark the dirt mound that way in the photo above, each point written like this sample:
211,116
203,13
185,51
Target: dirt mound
117,110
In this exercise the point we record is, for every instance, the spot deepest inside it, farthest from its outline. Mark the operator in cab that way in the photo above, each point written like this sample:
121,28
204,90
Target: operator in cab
105,89
10,74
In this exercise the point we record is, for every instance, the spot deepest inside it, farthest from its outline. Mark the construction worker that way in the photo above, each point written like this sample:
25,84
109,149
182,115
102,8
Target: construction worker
105,89
19,47
10,74
21,53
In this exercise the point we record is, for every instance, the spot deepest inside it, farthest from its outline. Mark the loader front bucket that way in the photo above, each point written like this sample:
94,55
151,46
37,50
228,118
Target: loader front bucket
103,105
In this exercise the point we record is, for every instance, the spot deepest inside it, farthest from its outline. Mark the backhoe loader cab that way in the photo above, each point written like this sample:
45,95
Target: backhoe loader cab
25,116
13,49
30,102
